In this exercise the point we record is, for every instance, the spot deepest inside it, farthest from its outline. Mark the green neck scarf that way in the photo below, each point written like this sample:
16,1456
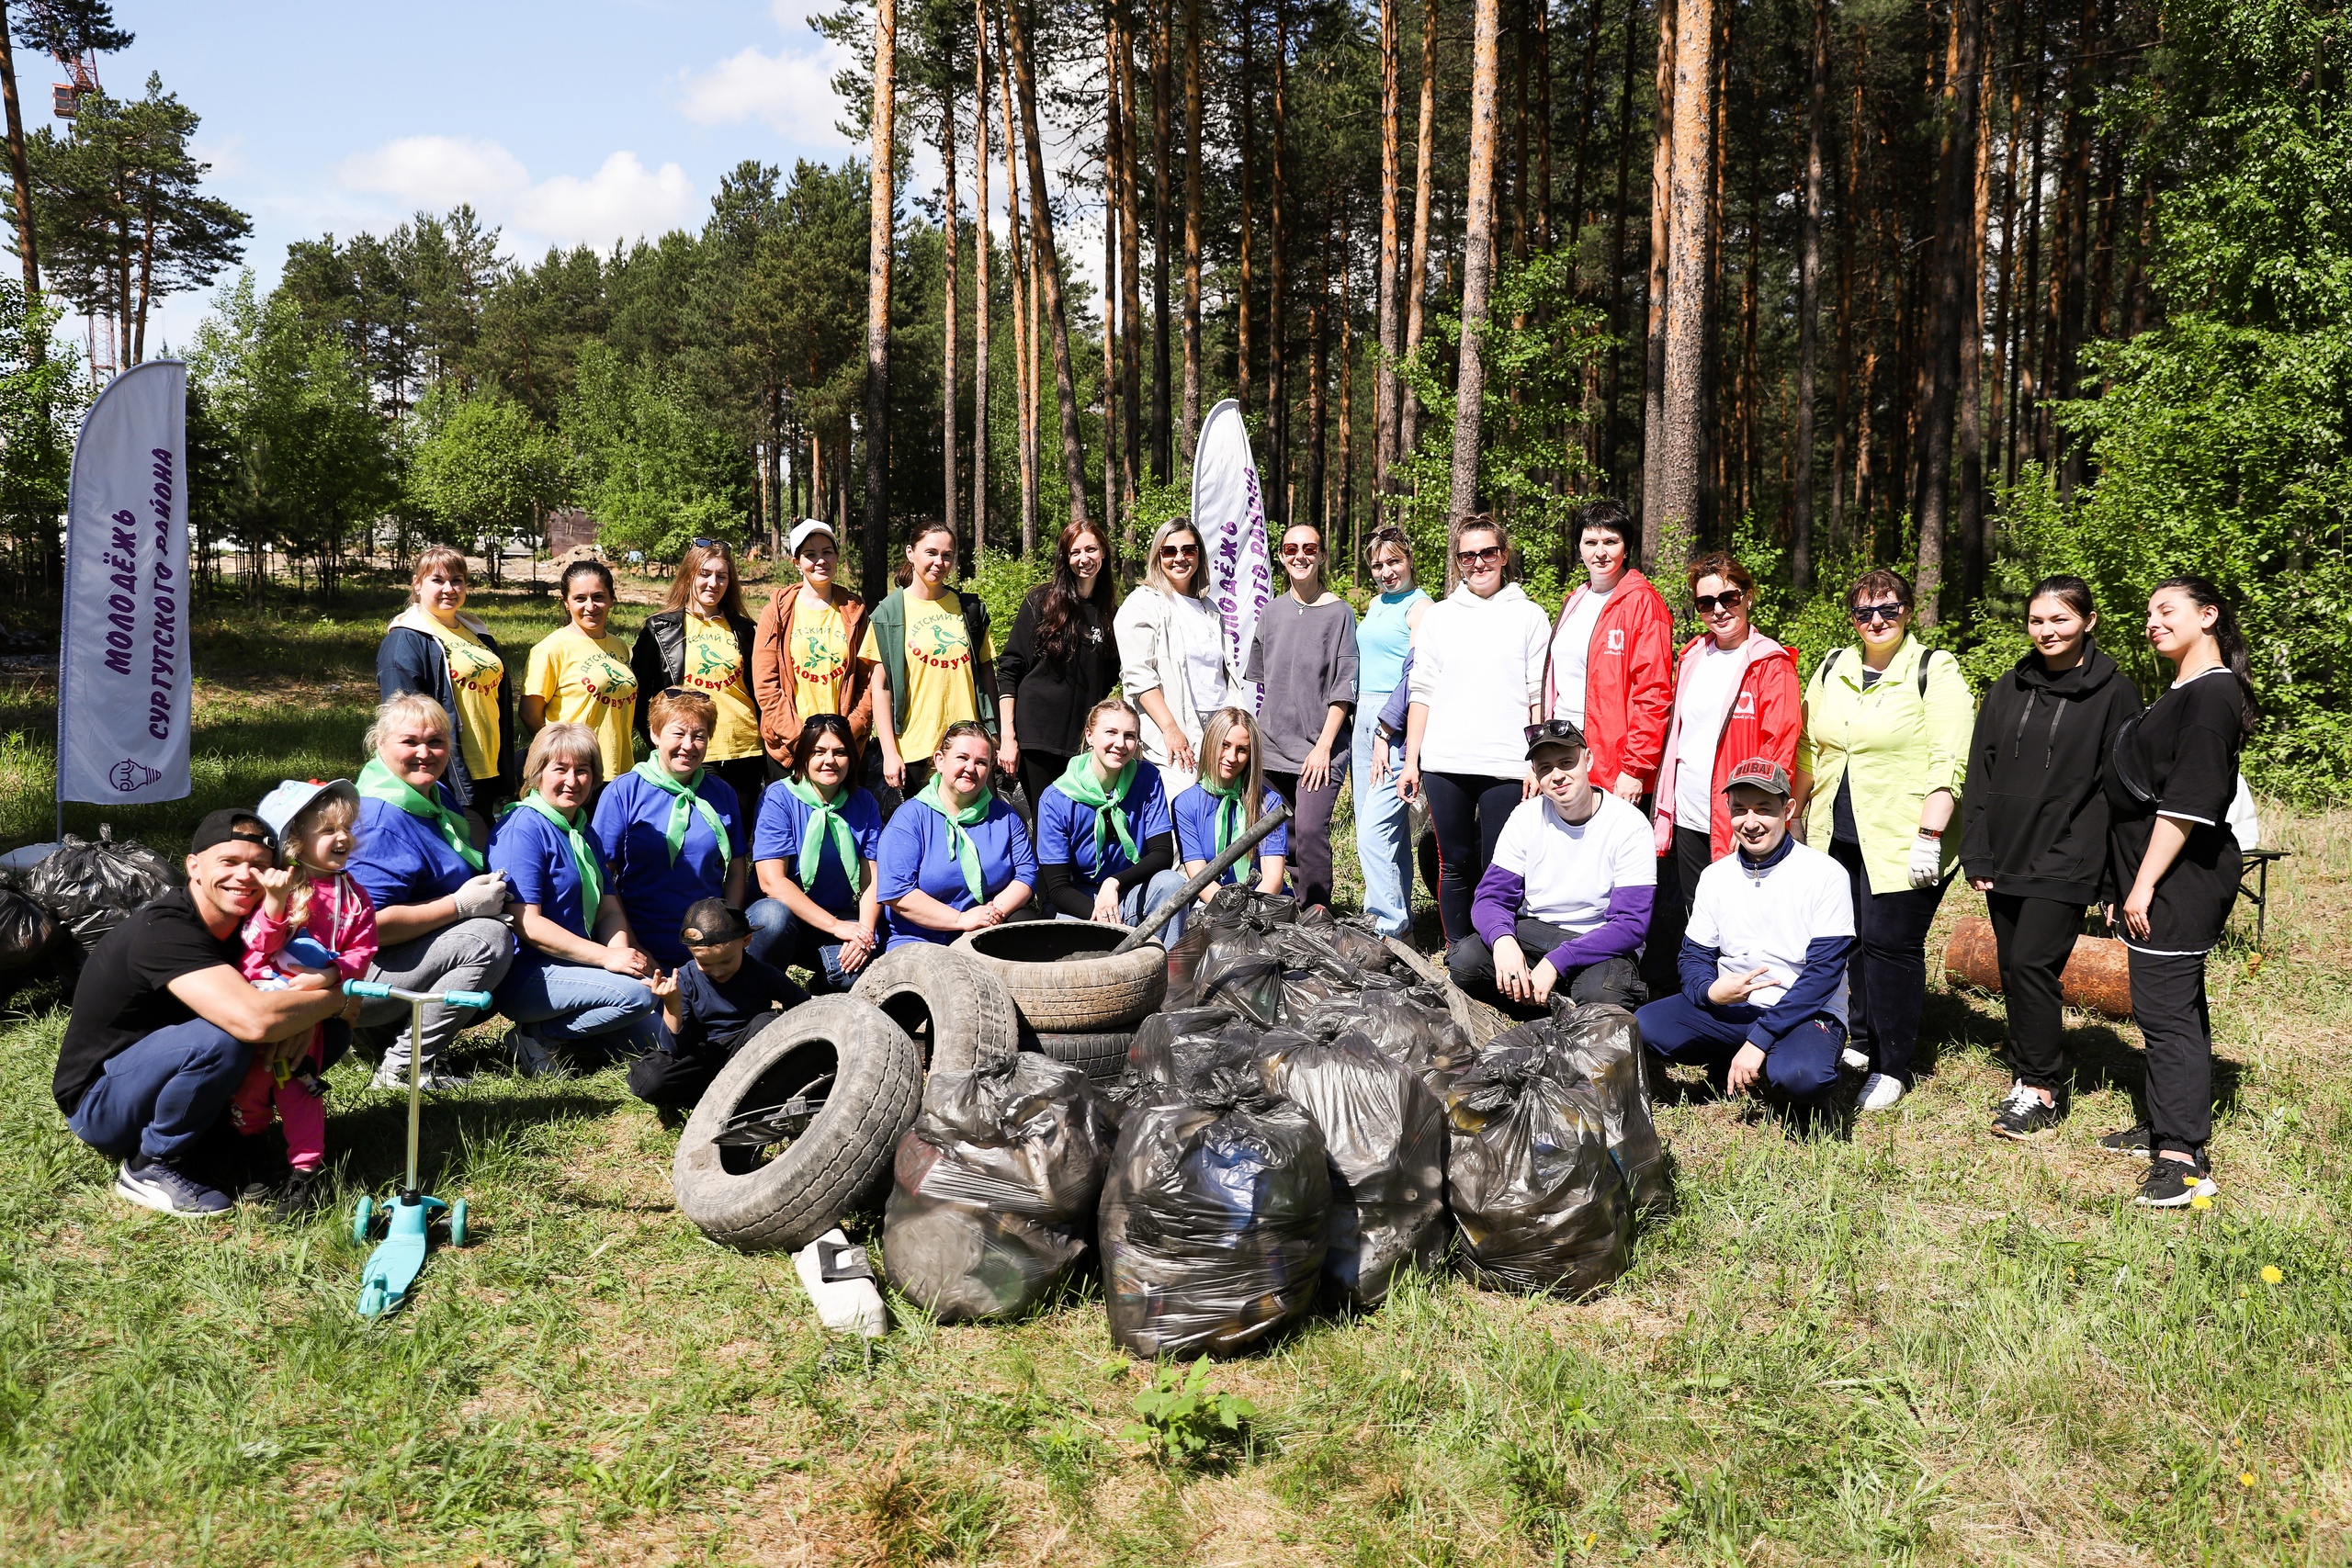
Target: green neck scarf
1230,806
968,855
583,859
684,803
1077,783
378,782
826,826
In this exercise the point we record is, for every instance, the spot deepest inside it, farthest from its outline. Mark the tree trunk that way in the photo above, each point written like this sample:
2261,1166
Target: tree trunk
1384,383
1242,174
879,234
1417,274
979,278
1113,161
1346,525
1277,382
947,342
1024,347
1809,306
1681,464
1478,261
1130,260
1955,247
1193,134
1161,44
1969,502
1049,267
1661,249
1846,302
20,171
1319,371
1617,257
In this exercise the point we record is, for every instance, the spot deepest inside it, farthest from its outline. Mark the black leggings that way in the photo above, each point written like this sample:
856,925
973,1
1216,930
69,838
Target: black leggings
2034,938
1468,811
2169,999
1886,981
747,776
1036,770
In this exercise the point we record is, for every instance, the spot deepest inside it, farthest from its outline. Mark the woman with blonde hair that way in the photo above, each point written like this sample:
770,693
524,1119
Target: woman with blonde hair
579,979
1227,801
434,647
1175,664
703,639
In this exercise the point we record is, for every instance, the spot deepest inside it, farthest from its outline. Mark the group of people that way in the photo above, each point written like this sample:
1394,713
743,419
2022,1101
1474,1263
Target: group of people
1752,863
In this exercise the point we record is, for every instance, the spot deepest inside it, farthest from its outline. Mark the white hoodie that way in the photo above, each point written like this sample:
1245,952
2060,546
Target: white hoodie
1479,667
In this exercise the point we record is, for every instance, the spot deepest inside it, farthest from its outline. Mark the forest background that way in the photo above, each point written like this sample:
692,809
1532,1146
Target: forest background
1978,288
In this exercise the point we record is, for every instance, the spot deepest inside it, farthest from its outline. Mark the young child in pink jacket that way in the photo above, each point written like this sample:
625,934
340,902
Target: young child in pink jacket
314,919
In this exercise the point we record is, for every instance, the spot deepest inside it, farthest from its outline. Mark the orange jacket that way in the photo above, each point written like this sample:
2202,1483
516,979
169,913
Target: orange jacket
772,684
1628,681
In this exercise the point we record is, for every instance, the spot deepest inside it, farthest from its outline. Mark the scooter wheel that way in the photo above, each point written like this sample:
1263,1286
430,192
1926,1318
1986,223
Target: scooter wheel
372,1300
458,1223
363,1219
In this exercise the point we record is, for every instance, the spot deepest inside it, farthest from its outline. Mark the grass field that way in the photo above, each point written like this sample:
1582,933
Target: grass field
1911,1344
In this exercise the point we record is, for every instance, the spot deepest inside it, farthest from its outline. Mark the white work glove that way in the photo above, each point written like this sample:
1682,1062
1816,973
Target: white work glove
1927,861
480,895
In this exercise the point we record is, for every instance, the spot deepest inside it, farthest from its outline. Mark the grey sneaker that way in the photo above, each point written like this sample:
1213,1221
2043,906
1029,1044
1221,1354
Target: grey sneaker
532,1058
2024,1115
432,1080
151,1184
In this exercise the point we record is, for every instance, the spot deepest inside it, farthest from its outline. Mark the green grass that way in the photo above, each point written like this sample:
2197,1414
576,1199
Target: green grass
1913,1345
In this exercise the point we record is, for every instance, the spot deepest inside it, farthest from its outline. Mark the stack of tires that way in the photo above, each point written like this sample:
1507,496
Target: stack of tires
1079,1001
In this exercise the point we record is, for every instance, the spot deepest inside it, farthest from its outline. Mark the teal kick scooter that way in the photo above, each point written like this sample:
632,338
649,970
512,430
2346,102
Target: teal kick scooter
393,1268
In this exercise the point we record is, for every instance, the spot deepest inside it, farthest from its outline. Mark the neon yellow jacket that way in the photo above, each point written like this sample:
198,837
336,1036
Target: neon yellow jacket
1900,745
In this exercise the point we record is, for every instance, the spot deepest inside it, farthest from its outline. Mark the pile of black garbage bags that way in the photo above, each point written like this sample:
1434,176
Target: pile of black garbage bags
1302,1121
53,911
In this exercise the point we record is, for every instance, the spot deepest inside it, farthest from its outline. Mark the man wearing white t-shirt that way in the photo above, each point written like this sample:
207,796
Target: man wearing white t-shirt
1563,904
1763,961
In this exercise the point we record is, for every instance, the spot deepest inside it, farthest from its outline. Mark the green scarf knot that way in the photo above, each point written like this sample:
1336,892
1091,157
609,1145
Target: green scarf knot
968,855
826,826
683,802
1230,806
583,859
378,782
1077,783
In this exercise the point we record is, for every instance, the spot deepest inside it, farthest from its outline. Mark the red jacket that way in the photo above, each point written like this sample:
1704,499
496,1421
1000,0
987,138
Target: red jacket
1628,681
1766,717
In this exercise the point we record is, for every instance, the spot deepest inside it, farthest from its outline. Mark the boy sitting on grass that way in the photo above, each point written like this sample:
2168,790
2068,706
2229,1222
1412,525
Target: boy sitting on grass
710,1005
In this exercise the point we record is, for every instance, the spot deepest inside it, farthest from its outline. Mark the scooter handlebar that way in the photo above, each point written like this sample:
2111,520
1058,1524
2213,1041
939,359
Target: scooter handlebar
371,990
376,990
480,1001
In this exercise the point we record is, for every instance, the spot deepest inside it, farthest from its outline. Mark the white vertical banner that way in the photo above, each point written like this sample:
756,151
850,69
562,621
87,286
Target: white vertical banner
1230,514
122,659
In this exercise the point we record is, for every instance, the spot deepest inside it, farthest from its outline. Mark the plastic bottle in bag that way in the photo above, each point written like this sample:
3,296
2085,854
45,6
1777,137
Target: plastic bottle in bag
1213,1220
993,1190
1542,1205
1385,1134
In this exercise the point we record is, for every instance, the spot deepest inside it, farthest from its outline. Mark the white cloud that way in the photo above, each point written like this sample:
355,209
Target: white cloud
791,91
622,199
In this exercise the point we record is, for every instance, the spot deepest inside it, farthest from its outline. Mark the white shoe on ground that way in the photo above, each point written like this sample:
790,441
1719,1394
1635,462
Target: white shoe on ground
1855,1059
1879,1092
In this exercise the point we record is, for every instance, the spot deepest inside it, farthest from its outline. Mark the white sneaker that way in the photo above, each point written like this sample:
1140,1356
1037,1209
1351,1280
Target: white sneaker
1879,1092
1855,1059
432,1080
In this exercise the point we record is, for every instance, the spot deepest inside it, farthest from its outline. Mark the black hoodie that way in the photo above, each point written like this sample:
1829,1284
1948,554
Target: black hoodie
2035,816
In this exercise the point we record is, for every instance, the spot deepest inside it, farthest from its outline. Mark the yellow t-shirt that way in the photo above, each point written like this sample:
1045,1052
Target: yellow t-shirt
587,680
474,674
816,650
941,683
715,667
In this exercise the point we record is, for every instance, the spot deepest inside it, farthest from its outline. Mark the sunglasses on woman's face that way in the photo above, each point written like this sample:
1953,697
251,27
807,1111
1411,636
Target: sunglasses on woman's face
1466,559
1729,598
1865,614
1301,552
1179,552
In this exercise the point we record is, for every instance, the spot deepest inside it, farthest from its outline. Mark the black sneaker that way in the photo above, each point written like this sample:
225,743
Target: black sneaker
2139,1142
151,1184
2172,1184
300,1197
2024,1115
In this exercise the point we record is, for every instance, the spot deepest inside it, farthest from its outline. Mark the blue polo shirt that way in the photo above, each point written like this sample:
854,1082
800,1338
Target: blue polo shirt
403,859
916,857
784,822
632,827
1066,828
1196,814
537,859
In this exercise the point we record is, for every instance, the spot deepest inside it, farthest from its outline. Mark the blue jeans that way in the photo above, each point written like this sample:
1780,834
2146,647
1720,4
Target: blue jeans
781,938
159,1096
1803,1066
560,1003
1384,830
1136,902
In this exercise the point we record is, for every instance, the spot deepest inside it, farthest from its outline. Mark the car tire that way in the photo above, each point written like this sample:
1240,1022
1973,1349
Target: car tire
949,998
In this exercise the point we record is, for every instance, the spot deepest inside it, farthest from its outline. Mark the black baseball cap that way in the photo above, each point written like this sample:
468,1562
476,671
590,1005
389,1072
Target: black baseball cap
1553,732
709,922
231,825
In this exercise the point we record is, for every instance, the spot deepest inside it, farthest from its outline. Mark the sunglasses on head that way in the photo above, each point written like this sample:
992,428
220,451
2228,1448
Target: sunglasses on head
1865,614
1484,556
708,544
1560,731
1729,598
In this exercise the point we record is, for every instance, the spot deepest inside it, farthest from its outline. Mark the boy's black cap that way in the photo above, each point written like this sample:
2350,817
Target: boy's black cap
231,824
709,922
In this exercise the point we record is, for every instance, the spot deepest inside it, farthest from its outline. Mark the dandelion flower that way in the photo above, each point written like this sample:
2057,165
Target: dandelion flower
2245,1478
2200,1202
2271,1275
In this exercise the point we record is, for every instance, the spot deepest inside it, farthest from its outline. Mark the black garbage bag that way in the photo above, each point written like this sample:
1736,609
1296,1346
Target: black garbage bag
993,1191
1183,1045
91,888
1411,1023
1542,1205
1385,1134
27,933
1229,955
1345,949
1602,1045
1212,1219
1304,990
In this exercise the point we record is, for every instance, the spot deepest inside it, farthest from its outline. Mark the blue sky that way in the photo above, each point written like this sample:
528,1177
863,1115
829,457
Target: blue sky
563,123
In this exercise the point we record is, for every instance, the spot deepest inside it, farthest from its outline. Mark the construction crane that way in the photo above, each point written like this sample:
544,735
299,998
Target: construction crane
65,97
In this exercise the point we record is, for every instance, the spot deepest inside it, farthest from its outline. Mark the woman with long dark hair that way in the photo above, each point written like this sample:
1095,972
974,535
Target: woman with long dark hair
815,852
1059,660
2034,824
2177,865
582,674
702,640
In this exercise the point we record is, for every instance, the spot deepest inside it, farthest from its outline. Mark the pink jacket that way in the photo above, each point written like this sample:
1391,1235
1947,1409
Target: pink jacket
1766,716
342,920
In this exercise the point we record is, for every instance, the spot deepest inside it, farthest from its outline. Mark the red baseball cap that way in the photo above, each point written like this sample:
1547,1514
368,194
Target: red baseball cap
1758,773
